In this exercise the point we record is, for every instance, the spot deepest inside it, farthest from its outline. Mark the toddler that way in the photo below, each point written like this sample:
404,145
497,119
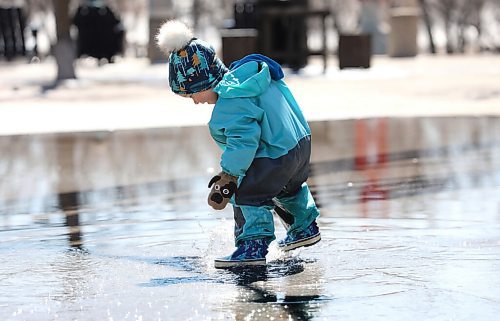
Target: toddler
264,138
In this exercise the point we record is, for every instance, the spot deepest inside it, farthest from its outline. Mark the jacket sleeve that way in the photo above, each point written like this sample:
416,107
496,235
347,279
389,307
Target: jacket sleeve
239,121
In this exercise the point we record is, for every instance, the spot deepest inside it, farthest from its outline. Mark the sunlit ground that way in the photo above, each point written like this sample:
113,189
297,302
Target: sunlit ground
133,94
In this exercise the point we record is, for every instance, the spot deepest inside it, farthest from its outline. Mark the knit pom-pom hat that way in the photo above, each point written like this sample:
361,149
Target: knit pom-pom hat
193,64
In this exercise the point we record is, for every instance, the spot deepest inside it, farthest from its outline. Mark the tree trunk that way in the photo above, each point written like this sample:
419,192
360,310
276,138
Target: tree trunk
196,12
428,24
449,45
461,41
64,50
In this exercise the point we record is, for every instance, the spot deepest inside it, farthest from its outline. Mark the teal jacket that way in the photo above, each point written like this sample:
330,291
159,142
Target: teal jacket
254,117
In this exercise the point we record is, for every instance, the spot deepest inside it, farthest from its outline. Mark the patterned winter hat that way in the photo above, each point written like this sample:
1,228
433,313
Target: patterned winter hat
193,64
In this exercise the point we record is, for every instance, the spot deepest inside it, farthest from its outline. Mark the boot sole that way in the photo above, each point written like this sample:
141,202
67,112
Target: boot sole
302,243
221,264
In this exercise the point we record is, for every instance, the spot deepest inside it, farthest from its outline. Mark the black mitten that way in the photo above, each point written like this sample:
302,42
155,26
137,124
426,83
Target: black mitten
224,187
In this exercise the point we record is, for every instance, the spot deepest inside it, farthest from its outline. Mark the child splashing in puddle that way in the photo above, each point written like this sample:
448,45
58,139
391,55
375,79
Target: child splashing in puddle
265,142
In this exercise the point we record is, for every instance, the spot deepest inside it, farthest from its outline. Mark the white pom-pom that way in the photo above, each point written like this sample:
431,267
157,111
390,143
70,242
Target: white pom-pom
173,35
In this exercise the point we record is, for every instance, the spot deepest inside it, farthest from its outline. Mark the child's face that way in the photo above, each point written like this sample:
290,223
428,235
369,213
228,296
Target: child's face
207,96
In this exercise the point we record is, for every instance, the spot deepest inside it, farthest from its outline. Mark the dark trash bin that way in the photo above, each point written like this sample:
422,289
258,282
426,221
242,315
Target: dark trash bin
354,51
100,32
12,25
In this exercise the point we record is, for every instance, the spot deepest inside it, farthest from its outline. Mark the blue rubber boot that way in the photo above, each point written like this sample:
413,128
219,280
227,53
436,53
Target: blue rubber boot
307,237
248,253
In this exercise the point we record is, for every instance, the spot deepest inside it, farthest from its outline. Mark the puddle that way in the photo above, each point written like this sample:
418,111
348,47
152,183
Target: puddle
114,226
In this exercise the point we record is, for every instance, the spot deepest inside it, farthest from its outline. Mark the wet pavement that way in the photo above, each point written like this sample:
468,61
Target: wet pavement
115,226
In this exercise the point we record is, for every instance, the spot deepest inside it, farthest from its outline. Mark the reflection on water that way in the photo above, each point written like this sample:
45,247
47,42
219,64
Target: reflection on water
114,226
381,159
166,170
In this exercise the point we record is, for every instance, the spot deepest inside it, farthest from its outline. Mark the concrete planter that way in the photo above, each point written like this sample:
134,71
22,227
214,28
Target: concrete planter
403,34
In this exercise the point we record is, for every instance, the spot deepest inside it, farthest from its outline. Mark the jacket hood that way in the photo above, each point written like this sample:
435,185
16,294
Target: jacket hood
274,67
250,79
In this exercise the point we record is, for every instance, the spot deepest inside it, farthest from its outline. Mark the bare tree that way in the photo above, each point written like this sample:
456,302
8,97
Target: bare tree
469,15
495,5
64,50
447,10
197,9
458,16
428,24
212,11
131,13
345,14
